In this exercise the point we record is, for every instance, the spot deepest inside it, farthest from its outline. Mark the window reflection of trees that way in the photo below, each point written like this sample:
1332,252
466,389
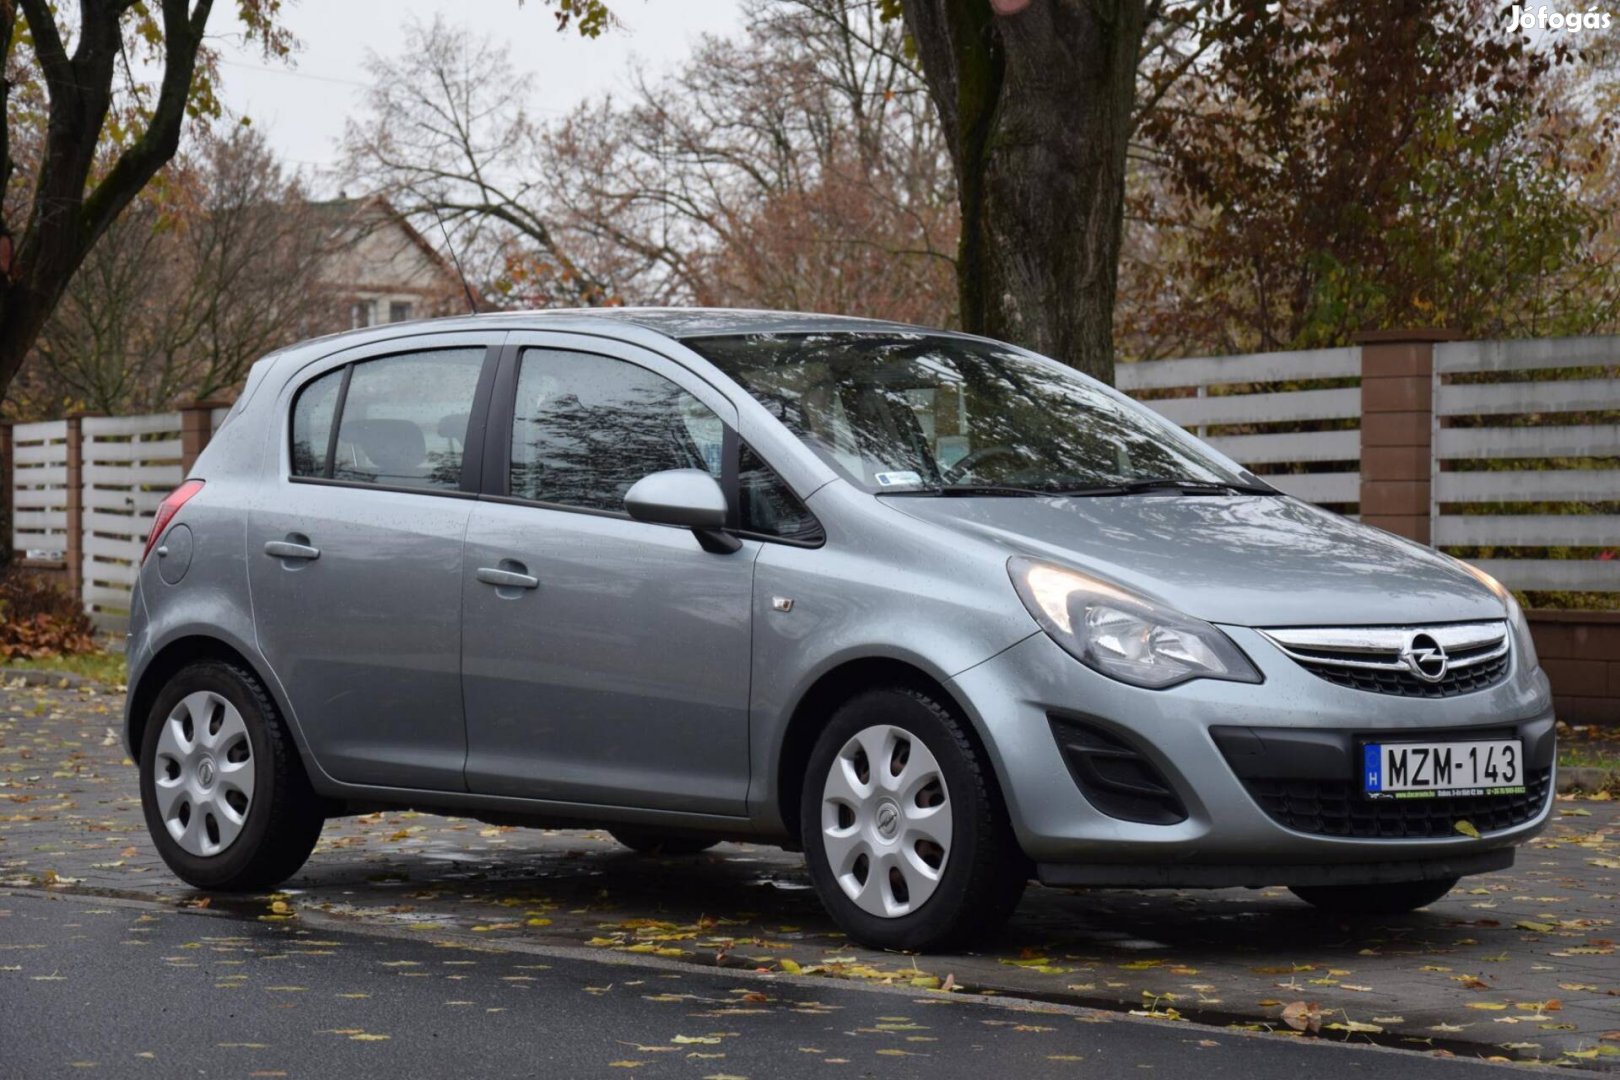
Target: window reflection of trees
904,402
589,427
304,459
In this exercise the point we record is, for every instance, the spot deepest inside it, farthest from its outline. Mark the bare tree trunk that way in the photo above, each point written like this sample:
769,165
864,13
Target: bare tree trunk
1036,99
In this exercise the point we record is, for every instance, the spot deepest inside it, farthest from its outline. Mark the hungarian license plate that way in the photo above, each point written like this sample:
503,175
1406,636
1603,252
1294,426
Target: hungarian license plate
1427,770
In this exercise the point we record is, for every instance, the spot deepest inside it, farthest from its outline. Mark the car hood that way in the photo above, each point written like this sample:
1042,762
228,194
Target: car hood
1249,560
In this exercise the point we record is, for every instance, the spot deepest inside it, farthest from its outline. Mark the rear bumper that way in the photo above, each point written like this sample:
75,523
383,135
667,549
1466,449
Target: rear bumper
137,654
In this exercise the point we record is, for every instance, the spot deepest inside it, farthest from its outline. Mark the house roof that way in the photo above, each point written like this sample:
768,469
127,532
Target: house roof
345,210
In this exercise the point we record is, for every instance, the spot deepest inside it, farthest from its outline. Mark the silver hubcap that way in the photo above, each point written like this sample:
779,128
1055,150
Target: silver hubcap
886,821
204,773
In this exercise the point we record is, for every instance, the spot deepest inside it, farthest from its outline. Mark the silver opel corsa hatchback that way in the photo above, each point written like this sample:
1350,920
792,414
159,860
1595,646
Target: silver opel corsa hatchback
943,613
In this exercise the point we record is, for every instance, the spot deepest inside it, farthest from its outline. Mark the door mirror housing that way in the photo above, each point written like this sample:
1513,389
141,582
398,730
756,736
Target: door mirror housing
688,498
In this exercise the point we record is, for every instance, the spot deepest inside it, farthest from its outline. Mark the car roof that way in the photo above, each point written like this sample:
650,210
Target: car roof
682,323
631,323
679,323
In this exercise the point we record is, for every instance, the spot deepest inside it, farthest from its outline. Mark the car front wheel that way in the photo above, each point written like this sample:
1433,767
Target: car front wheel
224,792
904,831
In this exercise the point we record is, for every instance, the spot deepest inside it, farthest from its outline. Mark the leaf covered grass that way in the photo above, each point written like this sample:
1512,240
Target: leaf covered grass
1589,746
107,668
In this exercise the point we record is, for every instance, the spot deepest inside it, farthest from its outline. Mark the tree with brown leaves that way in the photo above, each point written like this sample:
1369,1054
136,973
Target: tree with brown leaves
1328,169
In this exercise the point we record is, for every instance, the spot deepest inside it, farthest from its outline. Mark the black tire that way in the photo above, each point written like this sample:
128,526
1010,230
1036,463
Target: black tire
1393,899
656,842
283,819
984,873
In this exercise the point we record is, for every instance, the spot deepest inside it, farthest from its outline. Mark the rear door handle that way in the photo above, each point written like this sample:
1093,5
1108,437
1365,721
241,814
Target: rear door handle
507,579
286,549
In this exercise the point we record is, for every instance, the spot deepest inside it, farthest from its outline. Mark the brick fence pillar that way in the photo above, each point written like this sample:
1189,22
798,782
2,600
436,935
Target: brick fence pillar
8,477
1397,428
196,428
74,549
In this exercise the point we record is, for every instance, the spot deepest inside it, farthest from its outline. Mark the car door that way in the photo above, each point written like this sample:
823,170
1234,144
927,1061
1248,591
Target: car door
354,554
604,660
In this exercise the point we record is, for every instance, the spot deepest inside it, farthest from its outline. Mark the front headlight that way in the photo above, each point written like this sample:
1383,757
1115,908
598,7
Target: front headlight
1122,635
1522,641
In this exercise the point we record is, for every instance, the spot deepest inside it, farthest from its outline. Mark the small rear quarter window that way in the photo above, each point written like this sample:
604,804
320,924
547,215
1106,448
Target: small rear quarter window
313,415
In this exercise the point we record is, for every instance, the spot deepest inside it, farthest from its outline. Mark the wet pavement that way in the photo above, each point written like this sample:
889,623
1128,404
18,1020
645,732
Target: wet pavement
171,991
1516,965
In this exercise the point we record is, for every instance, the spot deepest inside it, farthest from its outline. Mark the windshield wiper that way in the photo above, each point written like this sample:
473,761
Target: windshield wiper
967,490
1202,487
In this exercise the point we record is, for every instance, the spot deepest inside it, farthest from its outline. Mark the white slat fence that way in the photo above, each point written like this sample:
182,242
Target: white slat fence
39,489
126,465
1546,417
130,463
1243,423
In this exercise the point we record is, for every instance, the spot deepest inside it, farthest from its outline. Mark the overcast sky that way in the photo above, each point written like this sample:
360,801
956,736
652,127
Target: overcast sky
301,106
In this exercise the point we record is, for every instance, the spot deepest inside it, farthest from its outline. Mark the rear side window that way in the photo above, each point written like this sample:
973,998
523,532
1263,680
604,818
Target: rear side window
401,421
587,427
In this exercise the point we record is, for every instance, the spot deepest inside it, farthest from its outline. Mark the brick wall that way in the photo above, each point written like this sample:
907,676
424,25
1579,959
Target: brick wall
1580,651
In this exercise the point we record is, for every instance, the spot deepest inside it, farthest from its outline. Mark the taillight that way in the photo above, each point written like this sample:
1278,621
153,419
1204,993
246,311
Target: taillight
166,510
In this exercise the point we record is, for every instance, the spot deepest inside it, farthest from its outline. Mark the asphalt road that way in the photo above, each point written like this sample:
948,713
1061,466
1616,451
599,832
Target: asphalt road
99,987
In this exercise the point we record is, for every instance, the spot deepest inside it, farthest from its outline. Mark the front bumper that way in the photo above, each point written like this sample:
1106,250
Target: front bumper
1199,736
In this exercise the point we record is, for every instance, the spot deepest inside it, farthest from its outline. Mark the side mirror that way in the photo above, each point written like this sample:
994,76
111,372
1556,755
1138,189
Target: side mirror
688,498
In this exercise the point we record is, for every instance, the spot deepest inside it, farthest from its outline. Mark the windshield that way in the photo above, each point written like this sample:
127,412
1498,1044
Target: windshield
899,413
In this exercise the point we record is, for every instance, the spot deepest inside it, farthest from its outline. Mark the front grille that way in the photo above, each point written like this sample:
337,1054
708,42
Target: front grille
1338,808
1457,680
1422,662
1115,776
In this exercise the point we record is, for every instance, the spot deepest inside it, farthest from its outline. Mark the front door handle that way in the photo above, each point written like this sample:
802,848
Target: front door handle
288,549
507,579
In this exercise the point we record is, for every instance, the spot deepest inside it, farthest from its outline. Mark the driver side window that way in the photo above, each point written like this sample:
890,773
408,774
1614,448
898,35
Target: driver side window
587,427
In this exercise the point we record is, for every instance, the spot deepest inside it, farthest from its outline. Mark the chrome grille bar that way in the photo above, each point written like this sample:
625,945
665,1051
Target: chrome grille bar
1379,648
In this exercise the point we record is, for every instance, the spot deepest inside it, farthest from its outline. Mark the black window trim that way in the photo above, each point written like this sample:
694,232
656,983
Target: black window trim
399,489
501,415
472,445
329,465
733,490
788,541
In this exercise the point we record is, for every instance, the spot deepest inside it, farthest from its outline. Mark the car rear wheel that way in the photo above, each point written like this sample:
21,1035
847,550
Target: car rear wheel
1393,899
224,792
904,831
655,842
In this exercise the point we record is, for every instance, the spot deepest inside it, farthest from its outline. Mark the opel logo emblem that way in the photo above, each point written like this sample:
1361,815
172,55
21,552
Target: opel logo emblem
1424,658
